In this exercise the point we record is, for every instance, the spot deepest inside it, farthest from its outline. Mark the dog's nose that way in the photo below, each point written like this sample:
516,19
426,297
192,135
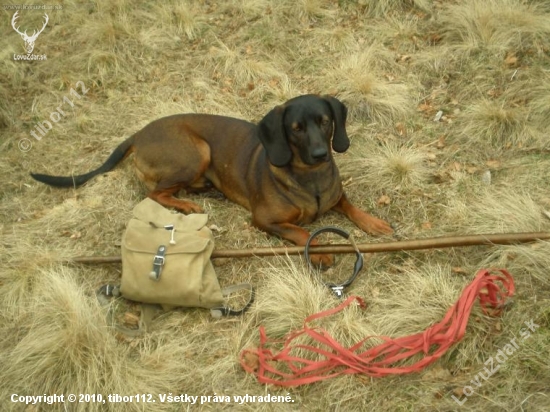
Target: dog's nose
319,153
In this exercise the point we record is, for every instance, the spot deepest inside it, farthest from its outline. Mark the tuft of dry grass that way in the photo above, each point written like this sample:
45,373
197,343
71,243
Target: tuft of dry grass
496,26
359,80
539,105
240,68
497,124
183,17
313,9
498,210
298,294
384,8
390,167
59,340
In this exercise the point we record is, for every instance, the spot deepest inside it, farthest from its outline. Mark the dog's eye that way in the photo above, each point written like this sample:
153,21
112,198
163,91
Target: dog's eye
325,121
297,127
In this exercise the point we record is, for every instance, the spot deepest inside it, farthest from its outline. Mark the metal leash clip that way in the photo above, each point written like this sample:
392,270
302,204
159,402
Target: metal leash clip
337,289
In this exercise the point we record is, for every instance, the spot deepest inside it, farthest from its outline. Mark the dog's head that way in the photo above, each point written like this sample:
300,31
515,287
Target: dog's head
304,127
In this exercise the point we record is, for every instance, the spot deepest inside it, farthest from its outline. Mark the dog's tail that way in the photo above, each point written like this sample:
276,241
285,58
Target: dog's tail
67,181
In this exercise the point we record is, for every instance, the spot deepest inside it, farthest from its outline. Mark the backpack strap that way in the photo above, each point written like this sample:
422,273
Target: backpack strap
149,311
228,291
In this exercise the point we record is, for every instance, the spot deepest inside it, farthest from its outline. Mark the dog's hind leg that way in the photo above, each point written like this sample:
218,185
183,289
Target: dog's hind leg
166,198
179,169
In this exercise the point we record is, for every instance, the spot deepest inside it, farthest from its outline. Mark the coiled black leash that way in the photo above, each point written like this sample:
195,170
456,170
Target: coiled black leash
337,289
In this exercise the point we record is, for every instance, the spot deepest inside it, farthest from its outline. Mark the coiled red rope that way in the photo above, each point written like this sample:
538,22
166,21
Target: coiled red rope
378,361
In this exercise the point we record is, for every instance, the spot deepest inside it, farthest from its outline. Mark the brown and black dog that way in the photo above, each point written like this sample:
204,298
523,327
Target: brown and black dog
282,169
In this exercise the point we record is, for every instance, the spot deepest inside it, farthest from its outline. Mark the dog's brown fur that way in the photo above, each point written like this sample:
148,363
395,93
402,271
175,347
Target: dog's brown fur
282,170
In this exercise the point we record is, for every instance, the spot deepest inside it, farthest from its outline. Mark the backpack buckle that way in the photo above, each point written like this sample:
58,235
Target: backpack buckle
158,263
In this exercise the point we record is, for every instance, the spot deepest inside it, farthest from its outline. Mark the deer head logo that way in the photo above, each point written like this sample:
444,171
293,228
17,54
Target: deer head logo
29,40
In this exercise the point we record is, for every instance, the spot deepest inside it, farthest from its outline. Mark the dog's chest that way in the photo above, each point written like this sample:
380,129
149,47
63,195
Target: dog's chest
314,197
317,205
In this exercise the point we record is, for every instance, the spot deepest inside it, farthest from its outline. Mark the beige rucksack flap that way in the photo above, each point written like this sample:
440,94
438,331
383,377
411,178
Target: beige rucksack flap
187,277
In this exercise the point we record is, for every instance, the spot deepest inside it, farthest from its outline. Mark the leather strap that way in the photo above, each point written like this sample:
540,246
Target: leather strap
226,292
148,311
158,263
337,288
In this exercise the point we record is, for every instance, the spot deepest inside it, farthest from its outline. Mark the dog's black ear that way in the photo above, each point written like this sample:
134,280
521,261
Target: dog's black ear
271,132
340,140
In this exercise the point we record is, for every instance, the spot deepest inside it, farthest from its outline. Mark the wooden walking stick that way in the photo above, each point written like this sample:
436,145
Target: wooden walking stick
417,244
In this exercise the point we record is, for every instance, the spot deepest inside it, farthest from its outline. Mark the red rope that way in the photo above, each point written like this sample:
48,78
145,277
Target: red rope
377,361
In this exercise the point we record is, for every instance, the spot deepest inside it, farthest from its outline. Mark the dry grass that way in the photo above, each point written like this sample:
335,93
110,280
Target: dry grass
499,211
390,167
384,8
496,26
359,79
396,64
495,123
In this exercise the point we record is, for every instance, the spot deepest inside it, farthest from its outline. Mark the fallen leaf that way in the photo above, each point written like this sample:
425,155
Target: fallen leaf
511,256
511,60
384,200
434,38
76,235
494,93
459,392
472,169
493,164
220,262
130,319
424,107
441,142
251,360
437,373
426,225
401,129
459,271
441,177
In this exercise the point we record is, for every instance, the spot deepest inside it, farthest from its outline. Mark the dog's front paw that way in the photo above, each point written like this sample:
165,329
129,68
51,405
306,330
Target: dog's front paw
322,262
379,227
